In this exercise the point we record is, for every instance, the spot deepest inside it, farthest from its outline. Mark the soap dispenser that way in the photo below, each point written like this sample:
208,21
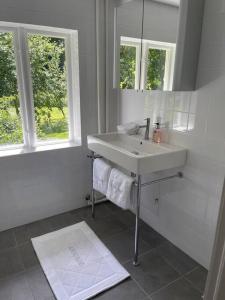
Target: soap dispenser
157,133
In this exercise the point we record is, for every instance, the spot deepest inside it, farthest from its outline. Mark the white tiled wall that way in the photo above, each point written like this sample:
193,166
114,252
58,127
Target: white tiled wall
188,208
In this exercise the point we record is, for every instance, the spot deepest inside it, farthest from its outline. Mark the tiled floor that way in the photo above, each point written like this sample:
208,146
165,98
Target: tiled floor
165,272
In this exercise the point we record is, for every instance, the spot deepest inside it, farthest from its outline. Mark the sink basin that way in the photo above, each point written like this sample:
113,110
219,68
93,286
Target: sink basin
135,154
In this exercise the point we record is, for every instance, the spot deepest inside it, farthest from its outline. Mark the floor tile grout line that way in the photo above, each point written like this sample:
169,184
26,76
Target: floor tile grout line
28,284
104,239
8,248
192,270
195,287
172,282
13,275
180,276
21,258
171,265
127,229
168,262
140,255
166,286
180,273
112,235
176,269
14,236
159,289
140,287
189,281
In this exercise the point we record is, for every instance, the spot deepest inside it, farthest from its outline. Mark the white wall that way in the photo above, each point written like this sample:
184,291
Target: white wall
37,185
188,208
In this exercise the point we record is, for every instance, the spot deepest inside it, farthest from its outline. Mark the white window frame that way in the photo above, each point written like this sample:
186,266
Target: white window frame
25,90
136,44
170,49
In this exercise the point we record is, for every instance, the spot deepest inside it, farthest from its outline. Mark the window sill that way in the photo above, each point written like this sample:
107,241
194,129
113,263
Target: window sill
40,148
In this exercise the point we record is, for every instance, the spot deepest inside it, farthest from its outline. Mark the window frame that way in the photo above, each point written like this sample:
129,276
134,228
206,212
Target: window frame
24,82
170,49
136,44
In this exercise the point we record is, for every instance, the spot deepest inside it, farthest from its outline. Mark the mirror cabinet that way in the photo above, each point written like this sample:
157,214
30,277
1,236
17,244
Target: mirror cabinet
155,43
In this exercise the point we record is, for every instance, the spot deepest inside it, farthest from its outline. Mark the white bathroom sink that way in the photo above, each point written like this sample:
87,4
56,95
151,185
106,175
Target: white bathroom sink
135,154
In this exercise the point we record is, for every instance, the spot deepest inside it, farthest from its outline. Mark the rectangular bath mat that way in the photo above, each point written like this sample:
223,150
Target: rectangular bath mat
76,263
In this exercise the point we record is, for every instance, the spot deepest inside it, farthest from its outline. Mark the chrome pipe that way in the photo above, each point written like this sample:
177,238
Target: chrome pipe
138,200
179,175
92,185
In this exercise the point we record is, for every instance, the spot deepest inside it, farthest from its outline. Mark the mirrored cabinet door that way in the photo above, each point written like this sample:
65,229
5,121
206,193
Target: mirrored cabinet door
129,17
151,39
161,19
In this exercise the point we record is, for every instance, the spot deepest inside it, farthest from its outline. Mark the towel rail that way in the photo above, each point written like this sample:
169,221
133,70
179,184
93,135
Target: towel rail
179,175
139,185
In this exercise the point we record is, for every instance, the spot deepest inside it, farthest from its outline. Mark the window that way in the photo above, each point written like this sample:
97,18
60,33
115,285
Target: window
39,85
10,118
157,64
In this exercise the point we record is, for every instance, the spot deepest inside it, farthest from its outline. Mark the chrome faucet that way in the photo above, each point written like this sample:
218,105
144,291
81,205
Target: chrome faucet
147,127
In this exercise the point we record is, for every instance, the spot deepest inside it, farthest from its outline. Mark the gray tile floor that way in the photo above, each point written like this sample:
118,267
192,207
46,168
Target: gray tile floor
165,272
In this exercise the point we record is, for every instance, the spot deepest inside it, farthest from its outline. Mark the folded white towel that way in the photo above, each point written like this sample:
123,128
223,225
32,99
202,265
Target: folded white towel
119,189
101,172
129,128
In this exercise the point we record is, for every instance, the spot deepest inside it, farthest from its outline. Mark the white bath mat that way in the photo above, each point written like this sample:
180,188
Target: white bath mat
76,263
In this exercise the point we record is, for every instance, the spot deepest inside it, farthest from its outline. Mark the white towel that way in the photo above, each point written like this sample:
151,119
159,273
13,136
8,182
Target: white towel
101,172
119,189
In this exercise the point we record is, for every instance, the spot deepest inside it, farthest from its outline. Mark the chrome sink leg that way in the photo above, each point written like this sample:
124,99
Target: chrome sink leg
92,188
138,200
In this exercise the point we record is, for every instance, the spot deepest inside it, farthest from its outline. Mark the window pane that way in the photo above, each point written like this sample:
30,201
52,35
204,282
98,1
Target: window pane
156,69
48,69
10,120
127,67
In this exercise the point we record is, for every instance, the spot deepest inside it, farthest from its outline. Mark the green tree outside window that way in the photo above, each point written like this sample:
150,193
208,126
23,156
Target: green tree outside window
155,69
127,67
47,60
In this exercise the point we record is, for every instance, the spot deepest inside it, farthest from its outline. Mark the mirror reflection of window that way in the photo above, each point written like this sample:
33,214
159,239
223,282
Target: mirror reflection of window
127,67
157,64
155,69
